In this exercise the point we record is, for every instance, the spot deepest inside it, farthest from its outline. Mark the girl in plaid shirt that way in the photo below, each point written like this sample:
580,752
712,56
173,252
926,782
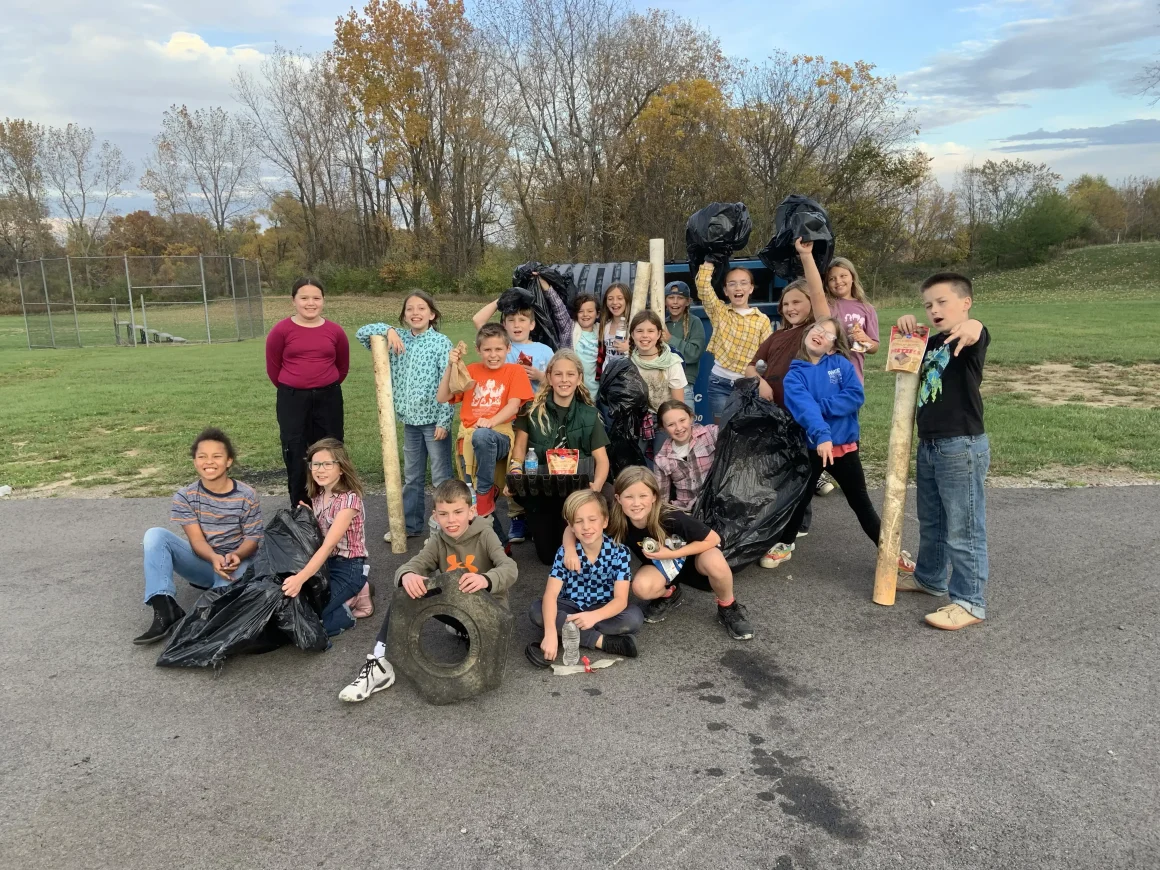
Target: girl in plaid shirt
738,330
336,499
684,460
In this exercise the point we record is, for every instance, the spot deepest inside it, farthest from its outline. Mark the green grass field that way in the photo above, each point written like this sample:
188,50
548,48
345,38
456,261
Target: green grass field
120,419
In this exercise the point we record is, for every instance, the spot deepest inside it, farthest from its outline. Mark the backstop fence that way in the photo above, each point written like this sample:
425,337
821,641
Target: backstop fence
139,301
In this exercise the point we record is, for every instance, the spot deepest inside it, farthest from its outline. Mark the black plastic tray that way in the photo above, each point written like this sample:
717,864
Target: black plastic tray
553,485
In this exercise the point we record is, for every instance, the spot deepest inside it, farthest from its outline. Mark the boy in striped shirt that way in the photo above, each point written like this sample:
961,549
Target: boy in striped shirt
738,330
222,522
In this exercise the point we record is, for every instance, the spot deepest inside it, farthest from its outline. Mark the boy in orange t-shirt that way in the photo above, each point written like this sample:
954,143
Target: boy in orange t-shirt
498,389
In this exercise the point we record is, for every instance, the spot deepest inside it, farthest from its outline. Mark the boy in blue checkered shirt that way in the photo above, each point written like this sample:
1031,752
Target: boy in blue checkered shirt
588,607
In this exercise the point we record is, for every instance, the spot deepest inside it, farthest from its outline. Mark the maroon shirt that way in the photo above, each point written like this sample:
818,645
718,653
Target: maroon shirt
306,357
778,351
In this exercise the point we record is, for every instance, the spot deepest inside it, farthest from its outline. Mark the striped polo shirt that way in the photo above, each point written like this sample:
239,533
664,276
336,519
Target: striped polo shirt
226,520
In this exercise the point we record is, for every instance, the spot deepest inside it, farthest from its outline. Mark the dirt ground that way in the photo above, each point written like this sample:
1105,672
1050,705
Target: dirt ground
1098,385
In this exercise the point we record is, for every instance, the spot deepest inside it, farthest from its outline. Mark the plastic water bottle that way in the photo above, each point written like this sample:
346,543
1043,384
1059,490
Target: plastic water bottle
531,462
471,489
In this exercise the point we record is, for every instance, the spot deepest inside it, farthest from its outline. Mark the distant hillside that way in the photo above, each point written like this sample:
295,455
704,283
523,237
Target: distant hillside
1126,271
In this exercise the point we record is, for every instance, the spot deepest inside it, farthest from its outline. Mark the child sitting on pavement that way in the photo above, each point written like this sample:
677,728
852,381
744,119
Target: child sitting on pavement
683,462
589,606
463,540
953,456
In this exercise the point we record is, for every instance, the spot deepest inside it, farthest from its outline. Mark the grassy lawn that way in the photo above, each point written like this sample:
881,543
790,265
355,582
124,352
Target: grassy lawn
122,418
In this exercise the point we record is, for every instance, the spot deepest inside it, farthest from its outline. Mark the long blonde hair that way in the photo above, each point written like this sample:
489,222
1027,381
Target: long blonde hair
801,286
618,522
348,478
856,290
538,412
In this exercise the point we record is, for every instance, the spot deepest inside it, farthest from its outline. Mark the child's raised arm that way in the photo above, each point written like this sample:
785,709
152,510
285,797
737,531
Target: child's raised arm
485,314
818,303
714,307
443,395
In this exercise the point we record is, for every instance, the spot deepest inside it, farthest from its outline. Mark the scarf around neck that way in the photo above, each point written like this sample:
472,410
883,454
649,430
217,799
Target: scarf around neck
658,363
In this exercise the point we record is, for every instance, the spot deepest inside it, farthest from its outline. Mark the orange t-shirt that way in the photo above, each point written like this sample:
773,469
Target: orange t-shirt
493,389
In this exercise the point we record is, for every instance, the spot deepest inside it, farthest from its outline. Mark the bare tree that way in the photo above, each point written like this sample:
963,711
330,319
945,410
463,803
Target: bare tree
84,178
22,198
208,158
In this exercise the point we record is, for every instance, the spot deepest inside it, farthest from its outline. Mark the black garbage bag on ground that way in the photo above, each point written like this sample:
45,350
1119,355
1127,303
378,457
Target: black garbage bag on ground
760,471
623,403
252,615
531,297
714,233
798,217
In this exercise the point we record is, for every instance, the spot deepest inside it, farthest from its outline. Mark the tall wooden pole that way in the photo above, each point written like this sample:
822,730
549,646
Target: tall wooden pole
384,392
656,258
640,287
894,502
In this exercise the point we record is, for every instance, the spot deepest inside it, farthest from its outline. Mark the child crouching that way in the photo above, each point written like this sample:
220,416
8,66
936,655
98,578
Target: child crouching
589,606
463,540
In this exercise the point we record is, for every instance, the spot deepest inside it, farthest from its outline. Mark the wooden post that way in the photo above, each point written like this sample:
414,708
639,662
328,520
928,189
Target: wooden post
384,392
640,287
894,501
656,257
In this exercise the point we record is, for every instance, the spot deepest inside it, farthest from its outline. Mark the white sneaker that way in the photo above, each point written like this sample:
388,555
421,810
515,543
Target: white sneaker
825,485
777,554
374,676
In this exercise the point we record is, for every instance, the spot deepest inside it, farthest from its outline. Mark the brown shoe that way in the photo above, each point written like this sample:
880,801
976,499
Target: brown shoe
907,583
951,618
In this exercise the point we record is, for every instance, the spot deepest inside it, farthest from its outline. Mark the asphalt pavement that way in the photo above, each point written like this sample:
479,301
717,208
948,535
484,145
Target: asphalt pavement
844,735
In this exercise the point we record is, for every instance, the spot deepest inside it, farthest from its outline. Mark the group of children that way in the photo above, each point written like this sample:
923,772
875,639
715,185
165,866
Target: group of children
812,367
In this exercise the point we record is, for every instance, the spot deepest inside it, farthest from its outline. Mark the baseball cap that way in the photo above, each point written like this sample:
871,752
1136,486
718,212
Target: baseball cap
678,288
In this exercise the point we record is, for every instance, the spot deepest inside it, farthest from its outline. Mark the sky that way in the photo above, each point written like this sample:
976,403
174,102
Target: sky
1052,81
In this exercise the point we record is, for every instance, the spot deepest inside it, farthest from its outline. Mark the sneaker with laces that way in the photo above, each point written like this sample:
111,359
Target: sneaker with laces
825,485
905,563
619,645
570,643
734,619
777,554
951,618
657,609
518,532
907,583
374,676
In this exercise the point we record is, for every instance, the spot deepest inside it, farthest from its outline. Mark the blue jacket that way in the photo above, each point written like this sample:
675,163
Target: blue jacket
824,399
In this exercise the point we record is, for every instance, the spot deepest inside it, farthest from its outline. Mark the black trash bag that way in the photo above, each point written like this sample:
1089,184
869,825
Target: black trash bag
623,403
798,217
760,471
533,298
559,297
252,615
715,233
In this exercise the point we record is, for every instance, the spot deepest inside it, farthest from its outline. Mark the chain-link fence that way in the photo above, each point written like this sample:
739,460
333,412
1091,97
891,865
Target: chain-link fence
131,301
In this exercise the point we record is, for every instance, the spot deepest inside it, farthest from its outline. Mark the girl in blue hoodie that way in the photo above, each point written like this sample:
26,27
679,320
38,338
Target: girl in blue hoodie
824,394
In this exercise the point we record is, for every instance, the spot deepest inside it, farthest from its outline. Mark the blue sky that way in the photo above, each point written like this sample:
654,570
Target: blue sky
1046,80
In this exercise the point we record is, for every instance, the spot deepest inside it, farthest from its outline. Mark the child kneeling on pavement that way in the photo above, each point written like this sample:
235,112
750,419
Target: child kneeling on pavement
463,540
589,606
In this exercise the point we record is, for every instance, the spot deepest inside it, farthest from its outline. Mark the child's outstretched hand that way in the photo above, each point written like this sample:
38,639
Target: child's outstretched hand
803,247
456,353
415,585
826,452
965,334
907,324
293,584
472,583
394,342
550,644
584,621
571,559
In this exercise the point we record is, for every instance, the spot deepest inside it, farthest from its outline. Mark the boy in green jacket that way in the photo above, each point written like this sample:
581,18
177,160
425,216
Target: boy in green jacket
464,540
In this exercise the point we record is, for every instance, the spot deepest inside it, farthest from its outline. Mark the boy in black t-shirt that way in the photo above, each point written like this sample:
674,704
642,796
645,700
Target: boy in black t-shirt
953,455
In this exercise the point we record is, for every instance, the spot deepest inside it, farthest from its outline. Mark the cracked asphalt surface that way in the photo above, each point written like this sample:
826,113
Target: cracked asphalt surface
843,735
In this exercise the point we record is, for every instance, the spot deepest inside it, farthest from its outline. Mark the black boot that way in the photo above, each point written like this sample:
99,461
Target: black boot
166,614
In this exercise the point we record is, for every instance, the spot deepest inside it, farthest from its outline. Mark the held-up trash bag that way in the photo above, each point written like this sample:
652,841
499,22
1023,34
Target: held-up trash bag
760,471
798,217
252,615
714,233
623,402
533,298
559,296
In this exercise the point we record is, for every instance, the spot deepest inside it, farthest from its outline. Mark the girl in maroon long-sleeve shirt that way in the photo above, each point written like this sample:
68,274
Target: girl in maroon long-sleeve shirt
307,359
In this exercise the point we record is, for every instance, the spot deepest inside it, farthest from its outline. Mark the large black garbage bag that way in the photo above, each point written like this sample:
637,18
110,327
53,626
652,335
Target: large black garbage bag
559,297
714,233
760,471
798,217
251,614
623,403
531,297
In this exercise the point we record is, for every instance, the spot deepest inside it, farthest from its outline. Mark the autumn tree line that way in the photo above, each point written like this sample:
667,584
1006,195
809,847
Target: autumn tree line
429,147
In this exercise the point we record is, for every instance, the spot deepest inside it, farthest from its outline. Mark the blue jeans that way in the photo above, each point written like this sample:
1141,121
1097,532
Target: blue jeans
952,519
691,397
346,581
719,391
165,553
418,444
490,447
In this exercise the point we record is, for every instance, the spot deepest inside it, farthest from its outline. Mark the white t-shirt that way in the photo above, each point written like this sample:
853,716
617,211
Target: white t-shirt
661,383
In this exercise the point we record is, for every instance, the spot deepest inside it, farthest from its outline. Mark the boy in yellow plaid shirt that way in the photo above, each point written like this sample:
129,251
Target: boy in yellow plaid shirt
738,330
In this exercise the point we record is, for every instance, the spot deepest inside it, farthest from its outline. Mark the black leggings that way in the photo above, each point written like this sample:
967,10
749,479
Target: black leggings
305,416
847,472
